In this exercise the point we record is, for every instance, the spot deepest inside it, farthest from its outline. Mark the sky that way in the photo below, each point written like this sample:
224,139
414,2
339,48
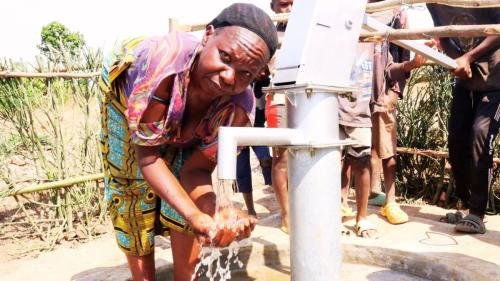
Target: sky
103,22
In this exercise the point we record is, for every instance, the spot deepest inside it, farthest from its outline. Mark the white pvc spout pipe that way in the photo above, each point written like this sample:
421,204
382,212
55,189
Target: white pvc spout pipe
232,137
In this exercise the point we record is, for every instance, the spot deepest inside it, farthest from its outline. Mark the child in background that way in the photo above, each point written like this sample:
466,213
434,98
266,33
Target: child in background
391,68
474,111
369,117
355,123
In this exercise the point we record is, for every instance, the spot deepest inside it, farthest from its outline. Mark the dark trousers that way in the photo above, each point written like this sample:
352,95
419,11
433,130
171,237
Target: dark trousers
244,170
243,167
472,128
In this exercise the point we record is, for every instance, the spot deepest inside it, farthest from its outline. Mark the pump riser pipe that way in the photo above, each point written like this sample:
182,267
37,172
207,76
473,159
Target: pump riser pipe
314,189
314,196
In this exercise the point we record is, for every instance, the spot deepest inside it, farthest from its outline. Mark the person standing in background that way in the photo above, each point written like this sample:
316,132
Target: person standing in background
276,118
391,68
243,166
355,124
474,110
383,157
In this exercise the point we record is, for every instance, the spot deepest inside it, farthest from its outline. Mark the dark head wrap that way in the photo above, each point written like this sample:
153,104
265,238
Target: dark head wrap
252,18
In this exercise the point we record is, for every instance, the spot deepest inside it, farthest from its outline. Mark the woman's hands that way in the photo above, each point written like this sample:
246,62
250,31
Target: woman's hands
232,224
203,227
228,225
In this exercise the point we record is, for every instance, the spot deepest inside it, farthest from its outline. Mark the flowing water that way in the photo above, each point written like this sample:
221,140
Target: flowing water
213,264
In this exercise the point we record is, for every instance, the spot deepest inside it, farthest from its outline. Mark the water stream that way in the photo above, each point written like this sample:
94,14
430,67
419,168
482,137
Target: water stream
213,264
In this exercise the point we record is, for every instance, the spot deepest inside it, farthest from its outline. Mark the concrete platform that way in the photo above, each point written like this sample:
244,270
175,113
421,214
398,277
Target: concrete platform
423,248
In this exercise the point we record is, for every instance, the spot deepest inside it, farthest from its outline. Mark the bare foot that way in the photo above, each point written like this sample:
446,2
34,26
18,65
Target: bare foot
285,226
284,223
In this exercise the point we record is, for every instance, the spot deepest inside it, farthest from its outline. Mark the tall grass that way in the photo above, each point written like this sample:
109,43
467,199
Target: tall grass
53,124
423,123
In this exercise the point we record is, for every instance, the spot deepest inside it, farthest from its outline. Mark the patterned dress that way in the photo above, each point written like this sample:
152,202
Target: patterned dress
130,76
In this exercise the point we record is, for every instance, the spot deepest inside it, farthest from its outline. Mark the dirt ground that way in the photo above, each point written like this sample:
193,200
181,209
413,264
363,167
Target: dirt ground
90,259
100,259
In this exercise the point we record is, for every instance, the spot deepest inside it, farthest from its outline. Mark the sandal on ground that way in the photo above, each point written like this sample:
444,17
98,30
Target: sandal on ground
363,228
393,213
378,200
346,211
471,224
453,218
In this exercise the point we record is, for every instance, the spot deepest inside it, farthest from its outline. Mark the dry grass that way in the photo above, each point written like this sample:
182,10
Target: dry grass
53,135
422,123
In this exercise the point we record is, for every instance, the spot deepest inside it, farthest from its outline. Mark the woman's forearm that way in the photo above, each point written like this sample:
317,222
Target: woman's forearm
196,178
164,183
198,184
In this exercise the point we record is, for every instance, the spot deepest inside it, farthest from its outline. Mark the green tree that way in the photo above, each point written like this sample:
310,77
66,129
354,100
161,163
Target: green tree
57,39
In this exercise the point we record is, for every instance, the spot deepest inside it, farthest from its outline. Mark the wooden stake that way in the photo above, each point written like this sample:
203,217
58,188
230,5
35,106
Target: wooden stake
66,75
428,33
56,184
391,4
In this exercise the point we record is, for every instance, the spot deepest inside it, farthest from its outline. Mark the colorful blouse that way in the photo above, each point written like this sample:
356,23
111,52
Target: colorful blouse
129,79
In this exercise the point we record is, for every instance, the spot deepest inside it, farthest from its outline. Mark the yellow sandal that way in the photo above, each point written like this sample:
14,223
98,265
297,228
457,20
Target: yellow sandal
393,213
346,211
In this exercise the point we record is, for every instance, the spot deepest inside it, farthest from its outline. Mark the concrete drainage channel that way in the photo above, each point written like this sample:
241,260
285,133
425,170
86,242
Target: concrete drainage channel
268,261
